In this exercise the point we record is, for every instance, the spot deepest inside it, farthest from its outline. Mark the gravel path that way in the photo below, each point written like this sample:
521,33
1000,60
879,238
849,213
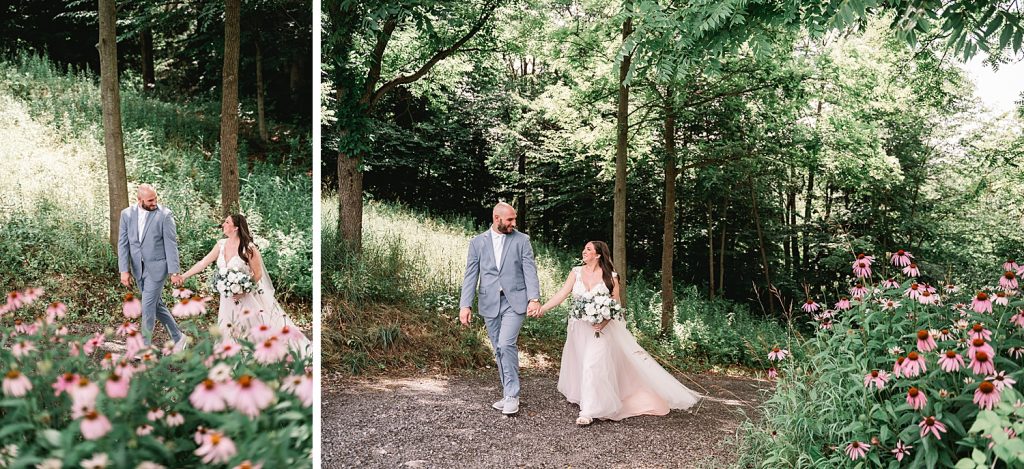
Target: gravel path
446,421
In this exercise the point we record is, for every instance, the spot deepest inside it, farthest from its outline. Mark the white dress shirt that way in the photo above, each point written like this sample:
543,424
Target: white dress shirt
498,243
143,213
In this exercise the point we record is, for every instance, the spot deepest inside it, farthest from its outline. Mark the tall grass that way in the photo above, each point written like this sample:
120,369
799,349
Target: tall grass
410,275
53,187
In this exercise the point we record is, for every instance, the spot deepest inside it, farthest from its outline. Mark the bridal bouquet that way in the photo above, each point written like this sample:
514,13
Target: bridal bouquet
596,308
231,282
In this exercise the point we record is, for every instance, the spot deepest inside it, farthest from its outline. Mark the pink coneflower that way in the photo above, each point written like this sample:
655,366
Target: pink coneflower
876,378
209,396
250,396
270,351
133,343
950,361
772,373
1001,380
291,333
945,334
21,327
861,267
216,448
950,288
83,393
22,348
979,345
901,258
914,365
31,294
93,343
189,307
260,333
302,386
927,298
1011,264
1015,352
182,293
916,399
981,303
978,331
144,429
1002,298
896,350
843,304
982,364
220,373
174,419
227,348
74,349
1008,281
857,450
897,368
986,395
154,414
55,312
15,300
63,382
889,305
117,386
933,426
911,270
890,283
826,324
858,291
925,342
778,354
248,465
913,291
16,384
97,461
127,328
1018,319
132,307
60,332
901,450
94,425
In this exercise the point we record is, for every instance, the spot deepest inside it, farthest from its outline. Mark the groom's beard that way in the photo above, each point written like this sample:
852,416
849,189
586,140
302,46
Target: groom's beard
148,208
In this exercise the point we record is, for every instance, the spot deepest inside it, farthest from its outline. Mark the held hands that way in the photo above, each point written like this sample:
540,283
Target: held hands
534,310
177,280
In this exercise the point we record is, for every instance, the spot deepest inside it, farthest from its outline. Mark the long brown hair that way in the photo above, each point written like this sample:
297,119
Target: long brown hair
244,236
605,262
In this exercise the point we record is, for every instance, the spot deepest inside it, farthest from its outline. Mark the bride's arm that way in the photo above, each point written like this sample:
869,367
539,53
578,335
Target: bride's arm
561,295
256,264
202,264
615,288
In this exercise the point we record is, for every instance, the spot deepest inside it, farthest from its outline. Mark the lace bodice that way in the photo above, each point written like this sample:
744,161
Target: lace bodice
579,288
235,262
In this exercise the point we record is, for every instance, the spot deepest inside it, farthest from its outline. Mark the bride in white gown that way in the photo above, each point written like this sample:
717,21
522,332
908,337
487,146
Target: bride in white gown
608,374
240,314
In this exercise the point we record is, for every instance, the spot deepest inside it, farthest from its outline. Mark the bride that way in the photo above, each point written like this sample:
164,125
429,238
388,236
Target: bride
244,312
608,374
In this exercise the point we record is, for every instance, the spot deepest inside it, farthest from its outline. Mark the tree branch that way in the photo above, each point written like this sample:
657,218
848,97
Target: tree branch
376,59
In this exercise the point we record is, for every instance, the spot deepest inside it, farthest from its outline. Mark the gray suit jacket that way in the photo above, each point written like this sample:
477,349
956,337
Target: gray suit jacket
156,254
517,277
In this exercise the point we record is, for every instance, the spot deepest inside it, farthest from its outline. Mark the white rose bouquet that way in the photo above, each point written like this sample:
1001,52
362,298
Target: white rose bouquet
231,282
595,308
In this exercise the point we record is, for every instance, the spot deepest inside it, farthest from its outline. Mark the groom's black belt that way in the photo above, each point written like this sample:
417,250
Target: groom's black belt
501,292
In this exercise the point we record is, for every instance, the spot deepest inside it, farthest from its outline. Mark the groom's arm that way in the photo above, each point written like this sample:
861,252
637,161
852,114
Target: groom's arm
124,265
470,278
171,244
530,273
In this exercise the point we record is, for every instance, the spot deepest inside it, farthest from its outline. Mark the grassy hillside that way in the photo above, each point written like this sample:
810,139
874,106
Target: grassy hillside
53,187
397,306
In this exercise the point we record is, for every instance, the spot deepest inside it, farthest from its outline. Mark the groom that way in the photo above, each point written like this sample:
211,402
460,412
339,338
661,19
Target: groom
147,249
500,261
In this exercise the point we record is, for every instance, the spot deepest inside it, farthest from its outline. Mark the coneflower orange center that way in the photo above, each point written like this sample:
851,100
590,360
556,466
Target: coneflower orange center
913,392
986,387
982,296
981,356
13,374
977,328
874,373
922,334
950,354
912,356
978,342
1009,275
245,381
209,384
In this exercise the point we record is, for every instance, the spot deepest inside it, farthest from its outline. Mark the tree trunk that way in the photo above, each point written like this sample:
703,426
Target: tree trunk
521,202
148,73
760,240
721,259
794,240
261,117
350,195
711,254
808,213
229,185
110,96
621,160
295,82
786,252
668,307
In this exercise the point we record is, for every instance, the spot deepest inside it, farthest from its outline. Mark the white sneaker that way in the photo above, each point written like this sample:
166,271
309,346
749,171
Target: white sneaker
500,405
584,421
181,343
511,406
